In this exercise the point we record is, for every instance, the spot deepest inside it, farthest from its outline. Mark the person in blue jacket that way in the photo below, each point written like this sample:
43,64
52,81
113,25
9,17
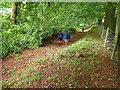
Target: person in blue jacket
60,38
66,38
69,36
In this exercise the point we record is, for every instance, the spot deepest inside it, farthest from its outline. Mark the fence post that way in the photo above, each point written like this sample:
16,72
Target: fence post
102,33
106,37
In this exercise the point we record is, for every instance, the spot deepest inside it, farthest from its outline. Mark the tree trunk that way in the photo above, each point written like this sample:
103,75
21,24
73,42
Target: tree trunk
116,32
112,23
13,15
110,19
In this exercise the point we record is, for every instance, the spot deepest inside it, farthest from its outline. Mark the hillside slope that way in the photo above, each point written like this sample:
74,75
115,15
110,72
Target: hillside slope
84,63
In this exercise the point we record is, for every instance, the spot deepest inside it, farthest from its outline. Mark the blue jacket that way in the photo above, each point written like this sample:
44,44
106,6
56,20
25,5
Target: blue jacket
66,36
60,35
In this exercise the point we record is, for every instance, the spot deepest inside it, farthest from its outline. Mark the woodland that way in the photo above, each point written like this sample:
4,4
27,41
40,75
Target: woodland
30,54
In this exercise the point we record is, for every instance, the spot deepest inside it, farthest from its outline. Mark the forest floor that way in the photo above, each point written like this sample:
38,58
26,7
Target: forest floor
84,63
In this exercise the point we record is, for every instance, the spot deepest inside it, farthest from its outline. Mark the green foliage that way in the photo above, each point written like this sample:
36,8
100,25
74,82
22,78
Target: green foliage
34,77
5,4
17,38
17,56
4,21
36,22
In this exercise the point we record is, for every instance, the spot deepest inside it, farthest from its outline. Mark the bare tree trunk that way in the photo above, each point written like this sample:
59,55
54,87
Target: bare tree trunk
13,15
116,32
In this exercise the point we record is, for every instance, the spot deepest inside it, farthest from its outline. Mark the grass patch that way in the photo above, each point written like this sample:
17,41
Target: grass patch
17,56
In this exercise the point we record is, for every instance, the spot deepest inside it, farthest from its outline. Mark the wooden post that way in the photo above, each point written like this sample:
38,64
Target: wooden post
102,33
106,37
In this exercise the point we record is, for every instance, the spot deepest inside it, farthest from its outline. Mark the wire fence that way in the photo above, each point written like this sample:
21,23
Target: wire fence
108,37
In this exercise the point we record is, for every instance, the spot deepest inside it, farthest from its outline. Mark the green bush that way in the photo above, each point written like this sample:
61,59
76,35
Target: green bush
69,30
17,38
72,30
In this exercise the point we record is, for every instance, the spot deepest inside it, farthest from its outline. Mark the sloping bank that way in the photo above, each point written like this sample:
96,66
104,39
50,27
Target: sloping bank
84,64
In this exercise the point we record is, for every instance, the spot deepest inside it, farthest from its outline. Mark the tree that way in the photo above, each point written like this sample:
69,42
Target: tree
116,32
37,21
13,15
110,19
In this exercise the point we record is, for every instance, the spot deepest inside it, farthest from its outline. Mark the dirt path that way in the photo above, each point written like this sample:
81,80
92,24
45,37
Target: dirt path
8,63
